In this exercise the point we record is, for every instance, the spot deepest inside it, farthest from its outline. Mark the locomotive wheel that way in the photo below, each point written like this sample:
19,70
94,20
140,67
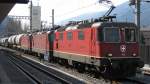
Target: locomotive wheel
107,72
81,67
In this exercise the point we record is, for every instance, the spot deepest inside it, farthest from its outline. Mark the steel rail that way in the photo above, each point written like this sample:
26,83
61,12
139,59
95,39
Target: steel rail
62,80
32,77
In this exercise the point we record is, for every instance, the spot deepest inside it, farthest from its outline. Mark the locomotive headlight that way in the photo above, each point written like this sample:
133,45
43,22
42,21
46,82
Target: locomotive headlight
110,55
134,54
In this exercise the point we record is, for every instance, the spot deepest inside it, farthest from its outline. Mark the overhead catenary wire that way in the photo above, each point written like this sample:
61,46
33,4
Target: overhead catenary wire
83,7
72,11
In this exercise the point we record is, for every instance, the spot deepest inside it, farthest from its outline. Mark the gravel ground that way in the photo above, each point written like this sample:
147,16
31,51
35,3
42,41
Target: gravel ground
83,76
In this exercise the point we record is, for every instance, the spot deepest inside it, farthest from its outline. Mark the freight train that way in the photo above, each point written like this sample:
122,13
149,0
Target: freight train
110,48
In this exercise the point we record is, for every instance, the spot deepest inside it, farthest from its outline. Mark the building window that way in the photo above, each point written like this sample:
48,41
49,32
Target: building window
69,35
80,35
60,36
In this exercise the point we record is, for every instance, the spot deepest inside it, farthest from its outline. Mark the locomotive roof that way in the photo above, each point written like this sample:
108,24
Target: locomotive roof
118,24
97,25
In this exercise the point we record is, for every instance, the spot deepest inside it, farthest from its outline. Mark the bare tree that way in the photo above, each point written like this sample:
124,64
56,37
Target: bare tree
13,27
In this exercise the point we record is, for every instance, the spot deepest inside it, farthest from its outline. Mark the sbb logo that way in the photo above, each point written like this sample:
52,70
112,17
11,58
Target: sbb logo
123,48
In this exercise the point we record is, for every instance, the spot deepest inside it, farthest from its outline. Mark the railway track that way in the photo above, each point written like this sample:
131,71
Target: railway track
138,79
39,74
30,76
10,74
133,80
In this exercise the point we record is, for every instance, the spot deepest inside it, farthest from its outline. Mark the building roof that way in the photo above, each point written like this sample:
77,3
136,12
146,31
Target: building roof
7,5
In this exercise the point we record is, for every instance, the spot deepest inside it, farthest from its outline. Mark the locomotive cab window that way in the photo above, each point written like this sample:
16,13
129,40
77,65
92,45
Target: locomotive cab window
130,35
69,35
111,35
80,35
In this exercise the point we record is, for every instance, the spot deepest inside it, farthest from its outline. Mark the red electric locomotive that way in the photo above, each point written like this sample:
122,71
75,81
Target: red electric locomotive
40,44
108,47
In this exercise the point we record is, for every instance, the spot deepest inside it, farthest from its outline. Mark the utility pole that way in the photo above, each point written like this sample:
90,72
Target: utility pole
137,4
31,5
138,17
53,23
30,36
138,11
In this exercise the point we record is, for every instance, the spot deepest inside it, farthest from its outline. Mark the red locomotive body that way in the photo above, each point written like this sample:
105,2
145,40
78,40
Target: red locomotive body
99,42
118,41
25,42
40,42
67,42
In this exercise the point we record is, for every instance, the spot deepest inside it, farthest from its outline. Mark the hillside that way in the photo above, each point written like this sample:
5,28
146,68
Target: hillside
126,13
123,12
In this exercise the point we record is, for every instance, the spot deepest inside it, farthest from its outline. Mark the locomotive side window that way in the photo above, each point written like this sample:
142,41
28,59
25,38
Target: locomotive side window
69,35
111,35
60,36
130,35
80,35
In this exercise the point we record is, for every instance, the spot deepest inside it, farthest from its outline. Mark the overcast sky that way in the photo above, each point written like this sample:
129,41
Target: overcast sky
63,8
